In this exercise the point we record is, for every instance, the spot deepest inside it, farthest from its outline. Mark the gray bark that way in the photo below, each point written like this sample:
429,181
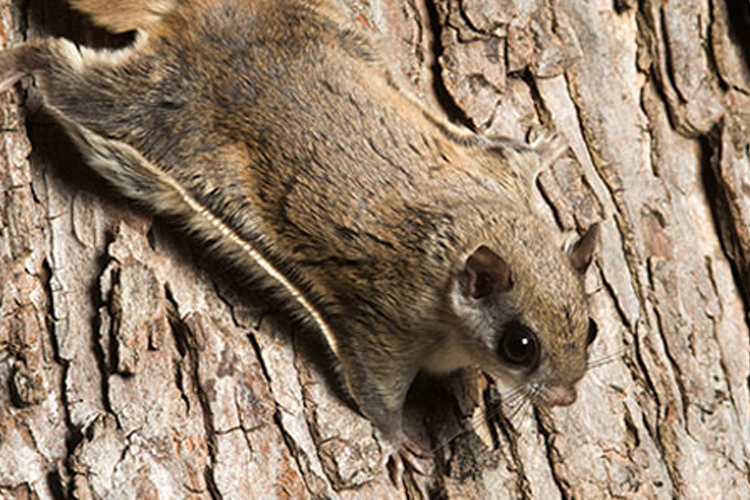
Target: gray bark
132,365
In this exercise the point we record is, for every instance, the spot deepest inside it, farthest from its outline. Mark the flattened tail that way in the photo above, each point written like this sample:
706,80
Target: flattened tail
120,16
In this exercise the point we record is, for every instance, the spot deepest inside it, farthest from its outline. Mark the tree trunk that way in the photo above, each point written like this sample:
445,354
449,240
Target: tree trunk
132,365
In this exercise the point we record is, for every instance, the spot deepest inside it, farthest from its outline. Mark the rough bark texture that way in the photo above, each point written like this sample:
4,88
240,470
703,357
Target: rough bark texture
132,366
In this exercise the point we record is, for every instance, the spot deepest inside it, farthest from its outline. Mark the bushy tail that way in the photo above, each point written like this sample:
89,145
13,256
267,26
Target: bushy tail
119,16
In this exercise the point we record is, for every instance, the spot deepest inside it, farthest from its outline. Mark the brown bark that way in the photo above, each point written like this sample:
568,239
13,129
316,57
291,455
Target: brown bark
132,366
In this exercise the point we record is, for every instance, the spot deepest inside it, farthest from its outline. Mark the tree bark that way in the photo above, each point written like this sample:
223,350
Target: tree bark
133,365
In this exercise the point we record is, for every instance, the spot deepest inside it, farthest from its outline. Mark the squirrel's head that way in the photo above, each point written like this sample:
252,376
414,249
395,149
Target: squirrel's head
523,313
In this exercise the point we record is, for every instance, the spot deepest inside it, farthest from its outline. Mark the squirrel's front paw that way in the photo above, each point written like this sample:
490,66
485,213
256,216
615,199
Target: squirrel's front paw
403,455
550,147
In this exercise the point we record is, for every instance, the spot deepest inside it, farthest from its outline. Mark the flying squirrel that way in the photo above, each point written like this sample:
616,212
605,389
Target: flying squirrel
274,130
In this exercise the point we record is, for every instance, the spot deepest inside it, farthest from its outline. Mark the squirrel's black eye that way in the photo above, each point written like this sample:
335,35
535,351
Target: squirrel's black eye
519,346
593,330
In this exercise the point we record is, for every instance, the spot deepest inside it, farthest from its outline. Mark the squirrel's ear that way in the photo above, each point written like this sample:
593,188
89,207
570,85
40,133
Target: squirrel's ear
582,252
484,273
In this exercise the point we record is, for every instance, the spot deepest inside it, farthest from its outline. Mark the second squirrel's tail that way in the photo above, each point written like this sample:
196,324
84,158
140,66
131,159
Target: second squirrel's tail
119,16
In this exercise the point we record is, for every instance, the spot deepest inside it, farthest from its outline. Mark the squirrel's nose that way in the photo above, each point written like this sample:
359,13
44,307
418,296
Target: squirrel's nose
558,395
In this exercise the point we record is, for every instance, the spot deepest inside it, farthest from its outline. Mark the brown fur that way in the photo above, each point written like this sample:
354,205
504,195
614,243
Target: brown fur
273,130
125,15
